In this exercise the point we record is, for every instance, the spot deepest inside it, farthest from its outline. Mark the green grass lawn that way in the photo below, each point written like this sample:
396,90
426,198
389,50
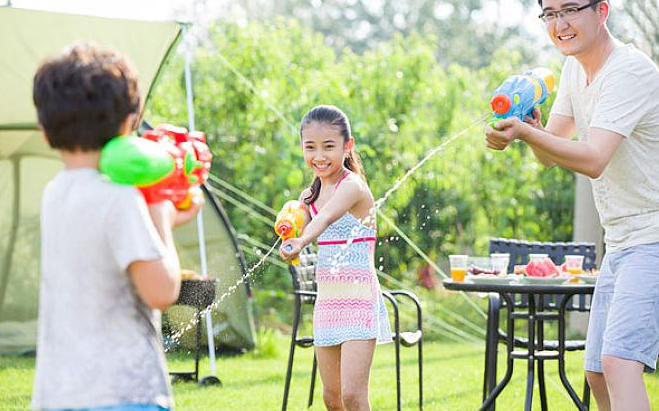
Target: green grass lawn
452,376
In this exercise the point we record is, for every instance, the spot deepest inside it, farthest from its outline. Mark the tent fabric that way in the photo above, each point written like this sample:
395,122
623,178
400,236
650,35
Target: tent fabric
27,164
34,35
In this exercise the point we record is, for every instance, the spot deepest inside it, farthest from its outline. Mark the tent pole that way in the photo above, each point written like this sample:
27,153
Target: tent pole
11,238
200,221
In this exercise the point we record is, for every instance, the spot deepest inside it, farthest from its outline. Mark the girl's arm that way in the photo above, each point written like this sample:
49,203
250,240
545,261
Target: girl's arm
349,193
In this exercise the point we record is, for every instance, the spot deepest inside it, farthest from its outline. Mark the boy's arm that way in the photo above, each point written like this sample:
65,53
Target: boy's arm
158,282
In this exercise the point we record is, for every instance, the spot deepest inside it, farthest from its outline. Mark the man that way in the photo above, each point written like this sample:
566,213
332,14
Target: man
609,96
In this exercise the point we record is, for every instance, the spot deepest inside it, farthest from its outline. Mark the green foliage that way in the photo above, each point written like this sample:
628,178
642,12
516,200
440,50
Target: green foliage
254,83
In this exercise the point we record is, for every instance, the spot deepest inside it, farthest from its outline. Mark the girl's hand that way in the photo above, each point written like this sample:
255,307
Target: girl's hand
290,249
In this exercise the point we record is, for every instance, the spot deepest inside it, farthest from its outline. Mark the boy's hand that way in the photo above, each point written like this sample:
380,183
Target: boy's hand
165,214
290,249
183,216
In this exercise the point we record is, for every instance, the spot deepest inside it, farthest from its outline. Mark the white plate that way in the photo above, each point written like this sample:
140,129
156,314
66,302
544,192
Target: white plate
588,279
543,280
489,279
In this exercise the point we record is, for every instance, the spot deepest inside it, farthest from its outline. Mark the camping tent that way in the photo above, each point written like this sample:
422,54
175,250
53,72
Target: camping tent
27,163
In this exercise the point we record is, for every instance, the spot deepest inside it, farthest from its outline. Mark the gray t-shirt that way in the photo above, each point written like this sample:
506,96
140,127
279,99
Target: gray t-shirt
623,98
98,343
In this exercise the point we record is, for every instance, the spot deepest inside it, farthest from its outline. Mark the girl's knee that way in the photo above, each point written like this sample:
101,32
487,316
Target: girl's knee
332,400
355,399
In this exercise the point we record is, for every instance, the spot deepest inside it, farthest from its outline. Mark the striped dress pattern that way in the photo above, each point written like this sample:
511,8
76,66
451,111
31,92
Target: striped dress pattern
349,305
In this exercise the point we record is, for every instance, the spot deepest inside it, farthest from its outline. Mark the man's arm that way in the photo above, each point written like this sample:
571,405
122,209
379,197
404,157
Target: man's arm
585,157
559,126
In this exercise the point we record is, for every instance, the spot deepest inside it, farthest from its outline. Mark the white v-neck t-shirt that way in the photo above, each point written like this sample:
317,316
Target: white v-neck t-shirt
622,98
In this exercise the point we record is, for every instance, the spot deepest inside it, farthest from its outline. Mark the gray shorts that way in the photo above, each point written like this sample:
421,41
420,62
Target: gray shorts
624,316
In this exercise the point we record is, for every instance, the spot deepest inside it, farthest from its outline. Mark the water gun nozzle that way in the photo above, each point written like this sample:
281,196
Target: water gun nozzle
501,104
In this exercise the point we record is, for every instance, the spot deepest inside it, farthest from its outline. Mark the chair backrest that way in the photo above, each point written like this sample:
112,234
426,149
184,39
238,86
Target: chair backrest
304,274
519,251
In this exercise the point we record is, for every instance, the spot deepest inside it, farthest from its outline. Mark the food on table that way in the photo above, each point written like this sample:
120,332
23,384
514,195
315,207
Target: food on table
519,269
541,268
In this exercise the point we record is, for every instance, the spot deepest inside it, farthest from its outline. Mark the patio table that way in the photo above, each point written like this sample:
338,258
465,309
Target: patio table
535,316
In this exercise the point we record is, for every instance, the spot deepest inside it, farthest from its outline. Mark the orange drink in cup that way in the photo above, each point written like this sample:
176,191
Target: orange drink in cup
458,267
574,264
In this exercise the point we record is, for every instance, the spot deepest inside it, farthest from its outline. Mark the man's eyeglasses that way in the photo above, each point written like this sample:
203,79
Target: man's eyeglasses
567,14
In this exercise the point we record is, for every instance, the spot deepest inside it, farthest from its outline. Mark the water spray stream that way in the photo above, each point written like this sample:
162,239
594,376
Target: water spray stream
337,260
428,156
188,326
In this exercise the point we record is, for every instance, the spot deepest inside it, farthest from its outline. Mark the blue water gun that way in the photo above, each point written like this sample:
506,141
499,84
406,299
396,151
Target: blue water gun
518,95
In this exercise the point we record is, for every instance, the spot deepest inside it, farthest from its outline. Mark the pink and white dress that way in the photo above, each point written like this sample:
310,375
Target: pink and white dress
349,305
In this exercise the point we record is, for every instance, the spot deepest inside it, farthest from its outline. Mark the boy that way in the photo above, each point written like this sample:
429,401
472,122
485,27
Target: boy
108,262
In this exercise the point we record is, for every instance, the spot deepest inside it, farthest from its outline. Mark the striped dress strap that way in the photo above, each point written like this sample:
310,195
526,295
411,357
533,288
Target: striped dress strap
313,211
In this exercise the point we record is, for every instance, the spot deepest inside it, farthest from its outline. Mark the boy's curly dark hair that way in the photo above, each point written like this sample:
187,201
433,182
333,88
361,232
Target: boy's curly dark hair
83,95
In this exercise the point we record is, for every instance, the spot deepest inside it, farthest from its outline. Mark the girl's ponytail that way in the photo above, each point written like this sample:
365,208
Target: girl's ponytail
354,163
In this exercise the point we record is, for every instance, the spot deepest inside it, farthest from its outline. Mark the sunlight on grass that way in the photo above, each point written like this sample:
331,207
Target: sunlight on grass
255,381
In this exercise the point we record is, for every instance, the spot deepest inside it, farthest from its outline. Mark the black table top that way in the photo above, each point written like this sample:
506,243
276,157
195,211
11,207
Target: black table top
517,288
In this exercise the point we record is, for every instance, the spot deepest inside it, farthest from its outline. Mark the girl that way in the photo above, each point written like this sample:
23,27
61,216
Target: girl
349,313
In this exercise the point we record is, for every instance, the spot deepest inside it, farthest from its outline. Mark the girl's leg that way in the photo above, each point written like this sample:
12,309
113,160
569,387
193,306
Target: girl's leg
597,385
625,382
329,366
356,359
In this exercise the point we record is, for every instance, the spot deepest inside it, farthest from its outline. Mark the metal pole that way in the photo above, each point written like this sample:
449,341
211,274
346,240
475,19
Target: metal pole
200,220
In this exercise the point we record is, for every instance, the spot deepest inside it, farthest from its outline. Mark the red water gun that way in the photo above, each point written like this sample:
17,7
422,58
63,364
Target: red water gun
166,163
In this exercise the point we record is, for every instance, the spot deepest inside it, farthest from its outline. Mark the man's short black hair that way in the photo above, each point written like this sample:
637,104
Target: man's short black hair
83,95
592,3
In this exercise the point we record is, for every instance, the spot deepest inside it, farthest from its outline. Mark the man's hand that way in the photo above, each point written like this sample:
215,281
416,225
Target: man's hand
505,132
534,119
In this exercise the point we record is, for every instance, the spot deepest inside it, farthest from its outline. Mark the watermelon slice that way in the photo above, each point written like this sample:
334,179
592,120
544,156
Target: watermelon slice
541,268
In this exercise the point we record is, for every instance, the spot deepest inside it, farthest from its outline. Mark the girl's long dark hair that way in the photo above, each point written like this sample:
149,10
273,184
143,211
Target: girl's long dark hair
334,117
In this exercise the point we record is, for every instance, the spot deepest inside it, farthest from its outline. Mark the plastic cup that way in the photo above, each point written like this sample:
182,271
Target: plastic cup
499,262
458,267
574,264
537,257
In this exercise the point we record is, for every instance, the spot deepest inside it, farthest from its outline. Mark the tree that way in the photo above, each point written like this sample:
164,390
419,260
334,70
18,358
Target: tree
645,15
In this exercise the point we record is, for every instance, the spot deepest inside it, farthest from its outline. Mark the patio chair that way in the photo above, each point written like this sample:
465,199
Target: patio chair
519,254
304,291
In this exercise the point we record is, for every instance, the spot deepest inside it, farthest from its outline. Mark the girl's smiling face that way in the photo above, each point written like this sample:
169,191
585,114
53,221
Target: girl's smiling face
324,149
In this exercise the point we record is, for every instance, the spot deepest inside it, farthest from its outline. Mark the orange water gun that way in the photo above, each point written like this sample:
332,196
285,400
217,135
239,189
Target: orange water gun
290,221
